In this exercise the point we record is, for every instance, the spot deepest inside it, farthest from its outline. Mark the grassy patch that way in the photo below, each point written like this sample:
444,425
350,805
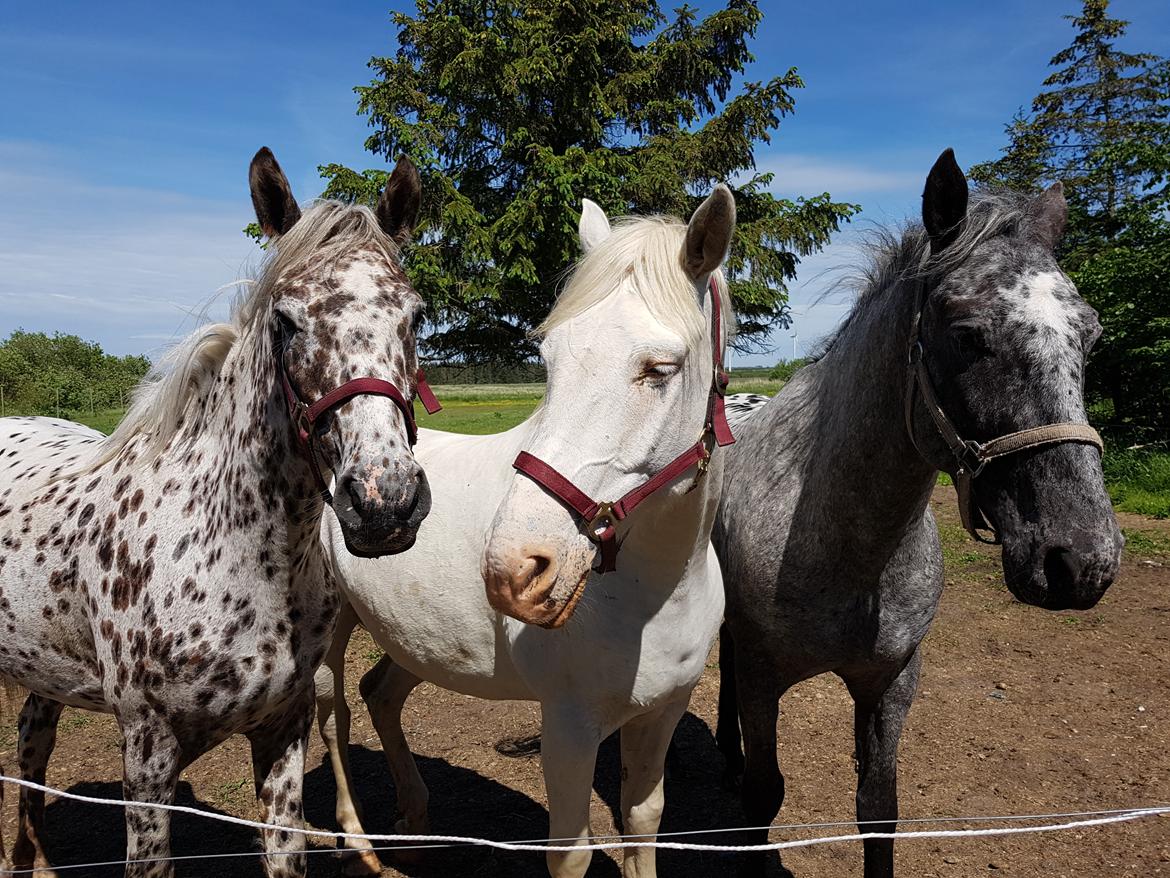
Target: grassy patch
1146,543
488,392
479,416
1139,481
233,791
76,719
956,546
766,386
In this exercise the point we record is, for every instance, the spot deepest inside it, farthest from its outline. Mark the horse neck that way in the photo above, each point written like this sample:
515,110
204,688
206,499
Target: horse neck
859,438
668,534
245,450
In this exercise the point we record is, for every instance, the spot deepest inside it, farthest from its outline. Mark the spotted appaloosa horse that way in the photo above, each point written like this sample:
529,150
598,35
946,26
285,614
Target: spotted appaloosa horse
629,349
830,553
172,574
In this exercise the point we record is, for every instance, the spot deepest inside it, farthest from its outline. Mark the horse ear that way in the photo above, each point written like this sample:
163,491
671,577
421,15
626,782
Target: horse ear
397,209
944,201
1050,215
709,233
594,225
276,209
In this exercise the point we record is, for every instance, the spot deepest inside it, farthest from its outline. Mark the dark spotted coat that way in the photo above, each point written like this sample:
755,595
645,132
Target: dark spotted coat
182,588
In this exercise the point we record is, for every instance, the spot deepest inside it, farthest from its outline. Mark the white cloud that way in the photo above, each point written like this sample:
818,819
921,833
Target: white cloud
117,265
798,174
820,298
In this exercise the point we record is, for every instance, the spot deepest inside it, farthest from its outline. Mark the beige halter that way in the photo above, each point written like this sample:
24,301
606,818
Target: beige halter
971,456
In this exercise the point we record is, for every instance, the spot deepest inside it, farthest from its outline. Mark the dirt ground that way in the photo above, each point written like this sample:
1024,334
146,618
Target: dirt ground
1019,711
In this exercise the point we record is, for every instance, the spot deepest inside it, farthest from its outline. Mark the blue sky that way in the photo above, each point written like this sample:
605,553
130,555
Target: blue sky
126,129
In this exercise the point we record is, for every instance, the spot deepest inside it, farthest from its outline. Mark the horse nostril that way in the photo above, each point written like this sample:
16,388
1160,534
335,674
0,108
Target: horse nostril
353,489
1062,569
539,565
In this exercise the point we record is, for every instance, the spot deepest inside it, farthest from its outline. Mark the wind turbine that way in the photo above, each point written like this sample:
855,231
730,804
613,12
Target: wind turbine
795,338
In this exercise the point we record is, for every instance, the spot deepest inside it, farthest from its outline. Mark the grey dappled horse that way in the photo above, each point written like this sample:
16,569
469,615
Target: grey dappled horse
830,553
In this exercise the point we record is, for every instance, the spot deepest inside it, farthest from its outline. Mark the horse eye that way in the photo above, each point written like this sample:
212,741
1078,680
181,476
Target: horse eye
970,342
288,327
660,370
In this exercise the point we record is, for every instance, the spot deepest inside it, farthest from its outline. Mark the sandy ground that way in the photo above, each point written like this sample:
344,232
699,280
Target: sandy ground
1019,711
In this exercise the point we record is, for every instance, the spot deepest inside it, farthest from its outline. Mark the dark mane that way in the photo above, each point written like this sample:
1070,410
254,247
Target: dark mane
899,255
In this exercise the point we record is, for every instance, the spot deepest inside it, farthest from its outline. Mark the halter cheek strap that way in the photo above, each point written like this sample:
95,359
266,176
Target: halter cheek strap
304,416
599,519
971,456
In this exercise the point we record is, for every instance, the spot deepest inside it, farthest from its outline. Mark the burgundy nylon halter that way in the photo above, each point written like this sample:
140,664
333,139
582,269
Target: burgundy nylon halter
304,416
599,518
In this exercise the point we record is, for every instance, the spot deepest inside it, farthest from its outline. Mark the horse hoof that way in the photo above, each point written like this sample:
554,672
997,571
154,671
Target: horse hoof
406,855
360,863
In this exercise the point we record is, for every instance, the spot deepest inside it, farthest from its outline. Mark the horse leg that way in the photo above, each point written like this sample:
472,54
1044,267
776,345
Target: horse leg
150,772
278,767
762,792
727,736
878,719
568,754
38,734
644,742
385,688
5,864
333,718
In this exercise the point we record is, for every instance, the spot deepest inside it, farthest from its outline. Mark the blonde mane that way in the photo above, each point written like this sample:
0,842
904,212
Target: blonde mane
647,249
166,400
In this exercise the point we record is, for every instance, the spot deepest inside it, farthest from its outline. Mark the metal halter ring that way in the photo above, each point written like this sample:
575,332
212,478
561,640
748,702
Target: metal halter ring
970,458
602,520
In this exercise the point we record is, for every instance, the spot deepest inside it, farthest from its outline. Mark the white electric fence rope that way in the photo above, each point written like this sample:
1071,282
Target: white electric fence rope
624,842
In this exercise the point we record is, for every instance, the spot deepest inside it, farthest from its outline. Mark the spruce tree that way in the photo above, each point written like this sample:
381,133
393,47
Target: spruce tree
514,110
1102,127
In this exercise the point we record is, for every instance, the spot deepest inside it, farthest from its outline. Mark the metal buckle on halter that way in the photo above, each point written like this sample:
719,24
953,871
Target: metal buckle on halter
301,420
970,458
604,518
704,462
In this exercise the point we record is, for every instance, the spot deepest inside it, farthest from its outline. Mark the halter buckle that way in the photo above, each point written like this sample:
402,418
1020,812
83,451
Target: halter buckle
301,420
970,458
605,518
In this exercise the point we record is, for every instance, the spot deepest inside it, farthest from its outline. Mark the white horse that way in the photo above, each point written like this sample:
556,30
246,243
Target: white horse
629,350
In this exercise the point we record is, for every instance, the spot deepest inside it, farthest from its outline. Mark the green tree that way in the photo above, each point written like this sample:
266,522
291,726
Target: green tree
1102,127
38,372
516,109
785,369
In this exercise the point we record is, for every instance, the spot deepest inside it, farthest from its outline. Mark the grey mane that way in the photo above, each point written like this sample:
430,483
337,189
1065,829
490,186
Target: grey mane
902,255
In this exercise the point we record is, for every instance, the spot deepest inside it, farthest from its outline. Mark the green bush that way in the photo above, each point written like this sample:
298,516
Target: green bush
1139,480
785,369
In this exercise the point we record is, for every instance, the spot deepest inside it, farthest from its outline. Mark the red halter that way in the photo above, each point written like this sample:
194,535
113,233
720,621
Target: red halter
600,519
305,416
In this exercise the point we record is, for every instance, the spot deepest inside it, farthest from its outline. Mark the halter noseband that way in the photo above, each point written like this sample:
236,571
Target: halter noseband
304,417
971,456
600,519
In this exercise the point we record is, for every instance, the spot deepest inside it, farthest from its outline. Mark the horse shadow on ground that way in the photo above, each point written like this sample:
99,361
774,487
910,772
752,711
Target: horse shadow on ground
462,802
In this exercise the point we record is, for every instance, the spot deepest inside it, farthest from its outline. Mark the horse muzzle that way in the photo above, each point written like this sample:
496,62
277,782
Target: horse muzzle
380,511
1070,574
532,586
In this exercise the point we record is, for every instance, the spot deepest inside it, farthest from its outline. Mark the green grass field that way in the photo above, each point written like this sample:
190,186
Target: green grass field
1138,480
